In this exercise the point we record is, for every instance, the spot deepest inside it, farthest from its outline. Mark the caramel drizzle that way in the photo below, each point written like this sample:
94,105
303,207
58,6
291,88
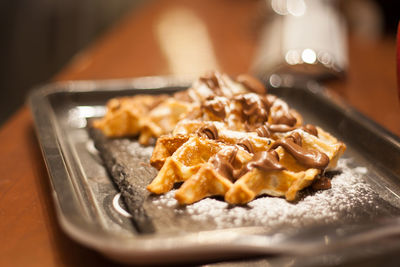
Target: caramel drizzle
308,157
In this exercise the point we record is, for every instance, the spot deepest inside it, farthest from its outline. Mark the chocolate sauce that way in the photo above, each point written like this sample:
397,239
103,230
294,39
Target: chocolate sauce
212,82
210,79
296,137
268,129
263,131
308,157
223,162
216,105
263,160
281,114
280,128
322,183
266,161
254,109
209,131
311,129
246,144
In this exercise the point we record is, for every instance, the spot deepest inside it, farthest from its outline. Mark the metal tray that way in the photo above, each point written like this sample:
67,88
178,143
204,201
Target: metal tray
90,211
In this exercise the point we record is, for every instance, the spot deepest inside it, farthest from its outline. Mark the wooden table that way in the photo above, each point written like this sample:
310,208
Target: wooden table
141,45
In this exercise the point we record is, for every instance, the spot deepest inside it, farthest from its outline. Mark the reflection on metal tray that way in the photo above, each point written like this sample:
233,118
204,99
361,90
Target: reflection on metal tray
361,207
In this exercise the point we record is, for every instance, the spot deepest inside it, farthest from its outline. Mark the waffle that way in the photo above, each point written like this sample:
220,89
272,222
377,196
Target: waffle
224,137
153,116
193,163
123,114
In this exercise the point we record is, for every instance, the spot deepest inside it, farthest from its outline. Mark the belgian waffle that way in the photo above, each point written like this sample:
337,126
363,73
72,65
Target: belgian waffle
225,137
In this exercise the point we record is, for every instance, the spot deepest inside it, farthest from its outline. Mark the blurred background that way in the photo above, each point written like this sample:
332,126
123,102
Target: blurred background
39,38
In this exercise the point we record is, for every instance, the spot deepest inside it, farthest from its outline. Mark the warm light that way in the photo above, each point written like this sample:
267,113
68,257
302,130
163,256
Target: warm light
77,116
325,58
279,6
296,7
185,42
309,56
275,80
292,57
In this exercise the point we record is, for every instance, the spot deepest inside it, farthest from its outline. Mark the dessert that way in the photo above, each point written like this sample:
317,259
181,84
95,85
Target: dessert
225,137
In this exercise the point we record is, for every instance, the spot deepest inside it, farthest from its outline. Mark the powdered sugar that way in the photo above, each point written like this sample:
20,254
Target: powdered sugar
350,198
135,149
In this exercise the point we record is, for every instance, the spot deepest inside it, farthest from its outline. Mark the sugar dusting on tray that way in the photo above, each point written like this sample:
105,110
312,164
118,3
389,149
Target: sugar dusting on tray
349,198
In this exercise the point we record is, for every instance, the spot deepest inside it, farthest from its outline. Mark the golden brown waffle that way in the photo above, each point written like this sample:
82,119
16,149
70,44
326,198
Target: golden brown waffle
201,179
153,116
123,114
290,181
224,137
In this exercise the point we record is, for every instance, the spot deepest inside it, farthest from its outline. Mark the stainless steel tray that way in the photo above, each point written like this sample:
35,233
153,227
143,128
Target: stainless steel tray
90,211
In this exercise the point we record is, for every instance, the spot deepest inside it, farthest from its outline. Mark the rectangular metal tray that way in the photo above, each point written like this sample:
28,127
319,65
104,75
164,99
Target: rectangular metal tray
89,209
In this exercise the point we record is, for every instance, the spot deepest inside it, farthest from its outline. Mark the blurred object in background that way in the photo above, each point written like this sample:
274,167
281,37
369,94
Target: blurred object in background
302,39
305,39
39,37
372,19
364,18
390,10
183,38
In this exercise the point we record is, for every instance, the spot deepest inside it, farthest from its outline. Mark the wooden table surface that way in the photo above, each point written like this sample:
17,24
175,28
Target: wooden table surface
147,42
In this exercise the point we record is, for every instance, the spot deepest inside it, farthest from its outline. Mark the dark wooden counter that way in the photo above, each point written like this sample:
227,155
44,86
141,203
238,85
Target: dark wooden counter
30,235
